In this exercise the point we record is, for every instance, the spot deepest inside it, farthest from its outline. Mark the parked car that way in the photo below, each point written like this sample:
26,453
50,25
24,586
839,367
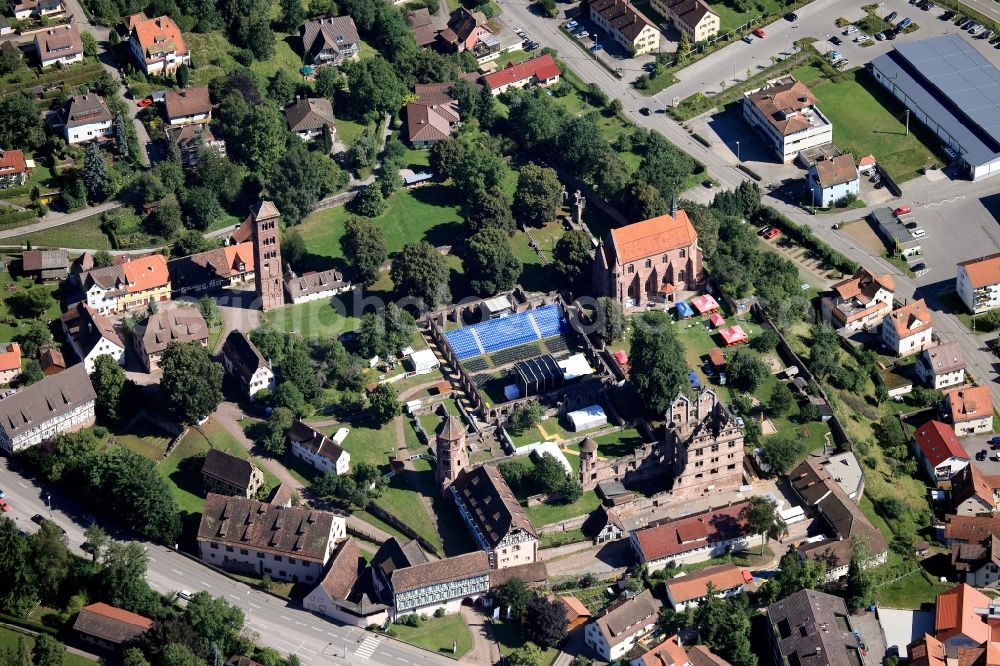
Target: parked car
918,232
760,33
748,39
981,456
833,55
37,518
974,28
4,506
3,494
791,17
948,15
596,47
905,23
583,35
771,233
740,422
891,17
919,269
902,210
570,25
836,40
185,595
962,22
645,111
986,34
879,36
851,29
995,440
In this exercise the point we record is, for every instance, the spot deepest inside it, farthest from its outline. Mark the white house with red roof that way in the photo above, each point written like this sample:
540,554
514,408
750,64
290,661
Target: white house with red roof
158,45
978,283
908,329
541,71
970,409
694,538
14,168
939,450
860,301
10,362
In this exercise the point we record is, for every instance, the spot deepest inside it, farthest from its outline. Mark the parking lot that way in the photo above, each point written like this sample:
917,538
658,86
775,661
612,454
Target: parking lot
977,443
610,52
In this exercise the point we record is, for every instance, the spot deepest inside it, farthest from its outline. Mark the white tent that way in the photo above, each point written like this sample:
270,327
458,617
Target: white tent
575,366
587,418
423,361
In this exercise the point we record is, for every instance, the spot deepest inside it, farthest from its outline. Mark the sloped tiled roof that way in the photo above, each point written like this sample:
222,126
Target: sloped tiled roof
674,536
969,482
469,565
809,623
836,171
650,237
690,12
87,327
669,652
780,104
329,32
926,651
246,523
10,356
426,123
909,319
623,16
344,570
967,529
314,441
491,503
938,443
722,577
187,102
146,273
984,271
969,403
111,624
226,467
955,614
41,260
243,354
699,655
59,42
12,162
84,110
623,620
158,37
541,67
53,396
944,358
314,282
177,325
309,114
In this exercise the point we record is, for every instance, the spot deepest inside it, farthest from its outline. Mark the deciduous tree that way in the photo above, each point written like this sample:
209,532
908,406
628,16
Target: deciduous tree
365,249
383,404
746,370
21,125
191,382
761,515
420,272
658,369
538,195
490,262
489,209
109,380
545,621
573,257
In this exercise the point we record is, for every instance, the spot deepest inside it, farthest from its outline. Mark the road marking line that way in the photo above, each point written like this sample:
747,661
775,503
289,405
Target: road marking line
255,606
21,484
234,596
330,634
402,660
177,572
205,584
283,617
316,629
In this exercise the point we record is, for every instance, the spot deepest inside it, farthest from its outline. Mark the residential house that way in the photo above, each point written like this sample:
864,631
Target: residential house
649,261
467,31
432,116
977,564
59,45
90,334
51,360
615,632
158,46
970,529
187,106
130,285
970,409
307,118
693,538
151,338
323,453
541,71
14,168
974,493
110,628
602,525
978,283
832,181
191,140
429,586
577,614
821,492
699,655
36,9
10,362
316,286
810,623
860,301
693,18
56,404
342,595
422,25
957,622
941,366
329,40
688,590
246,364
668,652
124,29
223,473
908,329
785,114
255,538
626,25
83,118
926,651
494,517
45,265
211,270
939,451
534,574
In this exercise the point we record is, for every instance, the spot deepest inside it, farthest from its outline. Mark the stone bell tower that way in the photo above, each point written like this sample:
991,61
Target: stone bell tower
588,460
452,456
267,254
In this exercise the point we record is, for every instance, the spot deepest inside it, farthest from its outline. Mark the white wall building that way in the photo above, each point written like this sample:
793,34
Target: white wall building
320,451
91,334
612,635
832,180
63,402
941,366
908,329
784,113
978,283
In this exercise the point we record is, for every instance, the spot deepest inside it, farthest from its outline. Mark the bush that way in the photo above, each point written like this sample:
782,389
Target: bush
410,620
439,612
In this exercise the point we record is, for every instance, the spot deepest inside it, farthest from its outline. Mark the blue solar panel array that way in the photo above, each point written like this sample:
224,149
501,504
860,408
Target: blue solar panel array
506,332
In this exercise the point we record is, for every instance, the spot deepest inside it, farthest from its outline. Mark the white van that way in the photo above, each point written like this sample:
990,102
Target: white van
917,232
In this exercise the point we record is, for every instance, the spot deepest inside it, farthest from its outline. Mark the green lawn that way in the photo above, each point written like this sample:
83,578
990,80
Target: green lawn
366,444
868,120
348,130
914,590
84,234
315,319
553,539
9,639
403,499
438,634
546,514
510,636
182,469
730,19
424,213
146,440
10,322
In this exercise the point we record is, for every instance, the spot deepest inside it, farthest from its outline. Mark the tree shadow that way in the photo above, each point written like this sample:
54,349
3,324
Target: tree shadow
445,234
535,277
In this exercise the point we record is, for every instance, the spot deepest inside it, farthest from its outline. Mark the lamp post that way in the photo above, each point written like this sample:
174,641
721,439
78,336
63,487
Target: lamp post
738,152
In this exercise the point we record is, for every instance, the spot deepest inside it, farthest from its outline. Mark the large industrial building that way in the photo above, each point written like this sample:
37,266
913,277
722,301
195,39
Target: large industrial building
951,88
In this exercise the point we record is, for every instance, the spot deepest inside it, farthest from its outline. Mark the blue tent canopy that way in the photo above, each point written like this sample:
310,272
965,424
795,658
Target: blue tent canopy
695,382
684,310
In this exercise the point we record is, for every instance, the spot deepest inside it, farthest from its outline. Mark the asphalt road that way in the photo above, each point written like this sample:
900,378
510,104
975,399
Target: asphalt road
276,624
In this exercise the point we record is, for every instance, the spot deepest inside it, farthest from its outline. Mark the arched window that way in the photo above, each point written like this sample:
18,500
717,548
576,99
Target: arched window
683,254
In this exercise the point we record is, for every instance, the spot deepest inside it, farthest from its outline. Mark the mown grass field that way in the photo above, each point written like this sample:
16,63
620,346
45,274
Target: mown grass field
438,634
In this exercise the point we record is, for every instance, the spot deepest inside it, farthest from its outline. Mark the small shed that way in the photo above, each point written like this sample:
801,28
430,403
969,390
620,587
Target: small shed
496,307
575,366
716,358
716,320
587,418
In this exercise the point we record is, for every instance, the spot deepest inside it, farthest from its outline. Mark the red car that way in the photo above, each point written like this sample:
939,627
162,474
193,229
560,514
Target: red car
4,506
773,232
760,33
144,103
902,210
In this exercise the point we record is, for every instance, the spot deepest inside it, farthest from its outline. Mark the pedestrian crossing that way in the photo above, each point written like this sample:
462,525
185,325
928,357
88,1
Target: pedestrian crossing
368,646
